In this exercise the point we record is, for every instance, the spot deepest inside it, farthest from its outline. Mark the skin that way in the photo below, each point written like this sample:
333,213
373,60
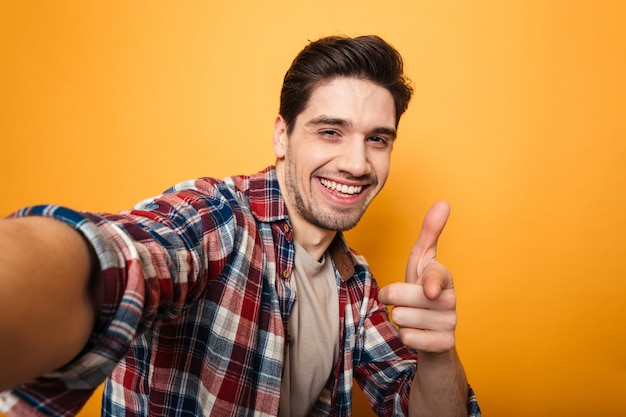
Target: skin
345,135
43,259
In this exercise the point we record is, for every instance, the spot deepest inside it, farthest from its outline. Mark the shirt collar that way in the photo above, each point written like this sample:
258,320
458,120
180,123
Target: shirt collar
266,202
342,257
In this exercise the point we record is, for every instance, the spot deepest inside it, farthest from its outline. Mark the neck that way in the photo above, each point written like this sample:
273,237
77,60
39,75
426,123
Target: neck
313,239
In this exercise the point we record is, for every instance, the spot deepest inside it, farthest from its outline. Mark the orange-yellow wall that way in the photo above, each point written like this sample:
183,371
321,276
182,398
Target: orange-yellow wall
518,120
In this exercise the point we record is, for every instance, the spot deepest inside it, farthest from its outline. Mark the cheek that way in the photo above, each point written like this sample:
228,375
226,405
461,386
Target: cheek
381,166
310,161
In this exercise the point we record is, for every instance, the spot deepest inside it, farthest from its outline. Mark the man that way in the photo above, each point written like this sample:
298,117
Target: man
240,296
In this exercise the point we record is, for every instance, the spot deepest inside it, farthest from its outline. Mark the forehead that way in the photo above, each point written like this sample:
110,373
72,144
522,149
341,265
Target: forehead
353,99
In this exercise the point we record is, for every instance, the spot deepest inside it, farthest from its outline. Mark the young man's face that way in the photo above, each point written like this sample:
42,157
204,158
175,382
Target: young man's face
337,157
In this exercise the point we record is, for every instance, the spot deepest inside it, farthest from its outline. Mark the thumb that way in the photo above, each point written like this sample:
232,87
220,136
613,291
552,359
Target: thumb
425,249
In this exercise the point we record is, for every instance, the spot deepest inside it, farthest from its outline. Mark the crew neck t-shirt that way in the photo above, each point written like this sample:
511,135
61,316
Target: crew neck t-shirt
313,347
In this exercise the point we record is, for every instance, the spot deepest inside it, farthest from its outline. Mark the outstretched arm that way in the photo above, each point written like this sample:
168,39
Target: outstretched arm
48,298
425,313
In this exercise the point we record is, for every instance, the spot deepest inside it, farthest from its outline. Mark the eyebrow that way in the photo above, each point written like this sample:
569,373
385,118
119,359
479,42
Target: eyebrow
334,121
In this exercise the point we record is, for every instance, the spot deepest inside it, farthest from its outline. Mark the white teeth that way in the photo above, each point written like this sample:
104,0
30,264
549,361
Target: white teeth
342,188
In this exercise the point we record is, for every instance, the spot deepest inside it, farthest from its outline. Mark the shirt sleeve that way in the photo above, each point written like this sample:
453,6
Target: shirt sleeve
386,366
154,260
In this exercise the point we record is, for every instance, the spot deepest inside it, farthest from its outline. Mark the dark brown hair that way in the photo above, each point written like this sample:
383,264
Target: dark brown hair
364,57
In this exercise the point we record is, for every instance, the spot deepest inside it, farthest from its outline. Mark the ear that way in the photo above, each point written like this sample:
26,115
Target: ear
280,137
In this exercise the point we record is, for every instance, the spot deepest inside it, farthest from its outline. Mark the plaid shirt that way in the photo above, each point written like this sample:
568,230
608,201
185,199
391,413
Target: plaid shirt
197,298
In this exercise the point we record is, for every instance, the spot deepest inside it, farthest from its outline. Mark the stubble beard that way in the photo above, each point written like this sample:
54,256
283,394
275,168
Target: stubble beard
336,220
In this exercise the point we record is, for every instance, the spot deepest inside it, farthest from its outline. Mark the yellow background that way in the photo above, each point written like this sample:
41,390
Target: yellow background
518,121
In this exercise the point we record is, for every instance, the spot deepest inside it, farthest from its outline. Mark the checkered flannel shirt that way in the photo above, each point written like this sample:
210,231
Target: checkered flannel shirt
197,297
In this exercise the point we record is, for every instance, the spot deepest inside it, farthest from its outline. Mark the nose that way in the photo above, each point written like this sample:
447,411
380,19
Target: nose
353,158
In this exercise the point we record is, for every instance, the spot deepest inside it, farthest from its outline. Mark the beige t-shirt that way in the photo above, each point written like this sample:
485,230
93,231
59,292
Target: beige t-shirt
313,348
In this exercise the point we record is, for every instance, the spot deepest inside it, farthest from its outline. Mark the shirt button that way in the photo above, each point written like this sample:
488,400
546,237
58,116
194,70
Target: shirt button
286,273
286,228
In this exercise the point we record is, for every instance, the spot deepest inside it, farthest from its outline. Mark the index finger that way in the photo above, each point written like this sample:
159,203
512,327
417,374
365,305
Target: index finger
425,249
432,226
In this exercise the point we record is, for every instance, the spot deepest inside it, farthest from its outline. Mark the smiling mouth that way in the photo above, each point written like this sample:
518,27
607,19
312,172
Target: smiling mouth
341,188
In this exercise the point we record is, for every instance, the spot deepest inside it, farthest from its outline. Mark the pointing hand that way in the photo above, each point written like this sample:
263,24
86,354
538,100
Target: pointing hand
425,304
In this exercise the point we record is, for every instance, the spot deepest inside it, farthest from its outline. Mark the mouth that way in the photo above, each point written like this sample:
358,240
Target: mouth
341,188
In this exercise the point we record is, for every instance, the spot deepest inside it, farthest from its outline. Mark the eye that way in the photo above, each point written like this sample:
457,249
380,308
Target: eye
328,133
380,141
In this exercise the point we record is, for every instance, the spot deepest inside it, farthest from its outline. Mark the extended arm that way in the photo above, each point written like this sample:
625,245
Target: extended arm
49,302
